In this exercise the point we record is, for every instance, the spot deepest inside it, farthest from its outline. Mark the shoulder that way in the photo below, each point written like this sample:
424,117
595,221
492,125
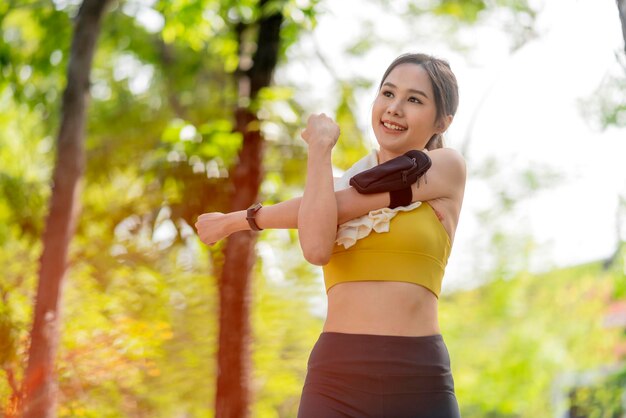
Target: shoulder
445,179
448,155
449,162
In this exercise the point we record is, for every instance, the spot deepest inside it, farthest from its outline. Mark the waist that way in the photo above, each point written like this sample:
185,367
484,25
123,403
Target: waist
368,354
382,308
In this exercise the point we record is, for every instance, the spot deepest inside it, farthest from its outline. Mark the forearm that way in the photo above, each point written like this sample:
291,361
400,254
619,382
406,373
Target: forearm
215,226
317,214
351,204
284,215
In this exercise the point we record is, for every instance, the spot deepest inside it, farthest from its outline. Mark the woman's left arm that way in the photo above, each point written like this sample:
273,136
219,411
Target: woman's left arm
444,180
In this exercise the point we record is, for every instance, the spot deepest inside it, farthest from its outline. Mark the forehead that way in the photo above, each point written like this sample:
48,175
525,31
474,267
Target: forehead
410,76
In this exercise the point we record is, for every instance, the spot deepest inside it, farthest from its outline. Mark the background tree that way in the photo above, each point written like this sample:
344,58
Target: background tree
606,106
39,386
233,392
255,28
621,8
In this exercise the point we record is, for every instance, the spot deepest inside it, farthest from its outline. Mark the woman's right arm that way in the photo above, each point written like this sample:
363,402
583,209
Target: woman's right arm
213,227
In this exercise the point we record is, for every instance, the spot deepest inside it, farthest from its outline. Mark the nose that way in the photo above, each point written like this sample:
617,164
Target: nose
394,108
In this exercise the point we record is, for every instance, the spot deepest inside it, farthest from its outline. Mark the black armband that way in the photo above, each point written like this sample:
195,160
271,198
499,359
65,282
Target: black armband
400,197
394,176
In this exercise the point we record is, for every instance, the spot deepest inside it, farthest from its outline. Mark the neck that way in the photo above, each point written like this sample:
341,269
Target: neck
386,155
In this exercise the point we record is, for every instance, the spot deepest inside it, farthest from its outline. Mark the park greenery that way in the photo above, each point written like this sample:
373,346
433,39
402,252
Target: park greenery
139,332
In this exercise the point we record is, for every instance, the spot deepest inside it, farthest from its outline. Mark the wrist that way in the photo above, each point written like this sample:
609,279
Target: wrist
236,221
322,145
251,214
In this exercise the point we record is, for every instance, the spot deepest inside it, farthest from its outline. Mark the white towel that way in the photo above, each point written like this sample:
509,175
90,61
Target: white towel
377,220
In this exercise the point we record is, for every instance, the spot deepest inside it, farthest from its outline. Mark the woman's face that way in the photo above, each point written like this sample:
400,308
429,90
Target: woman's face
404,112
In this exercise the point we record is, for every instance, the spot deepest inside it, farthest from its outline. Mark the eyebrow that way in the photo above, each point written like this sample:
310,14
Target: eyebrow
387,83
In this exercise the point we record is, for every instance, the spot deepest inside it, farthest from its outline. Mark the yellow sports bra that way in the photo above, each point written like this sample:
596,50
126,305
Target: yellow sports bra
415,250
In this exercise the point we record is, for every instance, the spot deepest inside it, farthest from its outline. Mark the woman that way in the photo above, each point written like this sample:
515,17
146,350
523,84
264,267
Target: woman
381,353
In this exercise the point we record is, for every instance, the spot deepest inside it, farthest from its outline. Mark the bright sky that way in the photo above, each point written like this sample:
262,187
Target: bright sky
530,118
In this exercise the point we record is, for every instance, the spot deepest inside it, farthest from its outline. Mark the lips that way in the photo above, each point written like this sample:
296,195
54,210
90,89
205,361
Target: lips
392,126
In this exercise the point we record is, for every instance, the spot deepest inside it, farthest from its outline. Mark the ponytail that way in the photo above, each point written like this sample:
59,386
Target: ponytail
435,142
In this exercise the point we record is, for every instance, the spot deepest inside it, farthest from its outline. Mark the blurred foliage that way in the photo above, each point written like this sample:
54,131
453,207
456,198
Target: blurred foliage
607,106
604,399
516,343
286,321
351,144
140,304
515,17
502,218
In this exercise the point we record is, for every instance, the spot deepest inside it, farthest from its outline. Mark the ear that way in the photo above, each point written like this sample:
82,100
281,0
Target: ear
443,124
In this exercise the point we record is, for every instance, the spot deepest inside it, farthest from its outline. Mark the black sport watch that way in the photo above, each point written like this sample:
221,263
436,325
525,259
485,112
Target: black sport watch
251,215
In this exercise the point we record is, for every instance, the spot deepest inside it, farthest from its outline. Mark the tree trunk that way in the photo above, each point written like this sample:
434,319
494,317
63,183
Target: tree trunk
234,363
621,7
39,385
233,395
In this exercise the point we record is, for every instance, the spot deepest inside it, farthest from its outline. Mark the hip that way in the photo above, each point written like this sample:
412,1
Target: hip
380,355
360,375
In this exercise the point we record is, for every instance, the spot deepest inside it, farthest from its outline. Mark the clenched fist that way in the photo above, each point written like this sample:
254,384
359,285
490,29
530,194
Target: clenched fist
321,131
213,227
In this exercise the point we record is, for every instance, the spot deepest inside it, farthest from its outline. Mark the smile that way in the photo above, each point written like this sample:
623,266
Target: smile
393,126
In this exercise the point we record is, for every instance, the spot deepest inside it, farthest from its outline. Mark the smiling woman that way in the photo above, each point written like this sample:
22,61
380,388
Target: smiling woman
381,352
421,93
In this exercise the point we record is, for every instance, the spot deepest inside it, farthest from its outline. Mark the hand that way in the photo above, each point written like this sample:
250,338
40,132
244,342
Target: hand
212,227
321,131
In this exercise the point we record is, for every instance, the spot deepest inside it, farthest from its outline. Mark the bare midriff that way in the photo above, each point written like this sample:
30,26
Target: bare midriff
382,308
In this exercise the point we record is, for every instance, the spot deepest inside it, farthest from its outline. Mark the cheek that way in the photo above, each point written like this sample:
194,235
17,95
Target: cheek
375,113
426,119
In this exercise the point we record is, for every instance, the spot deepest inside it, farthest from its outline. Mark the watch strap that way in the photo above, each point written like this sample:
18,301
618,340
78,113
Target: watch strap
251,216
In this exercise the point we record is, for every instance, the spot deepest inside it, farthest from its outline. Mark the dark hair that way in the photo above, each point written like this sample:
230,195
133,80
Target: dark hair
445,87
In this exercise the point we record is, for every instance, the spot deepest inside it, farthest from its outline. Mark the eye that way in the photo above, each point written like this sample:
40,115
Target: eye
387,93
413,99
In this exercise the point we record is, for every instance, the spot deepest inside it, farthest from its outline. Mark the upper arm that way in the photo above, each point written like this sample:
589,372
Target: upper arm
445,178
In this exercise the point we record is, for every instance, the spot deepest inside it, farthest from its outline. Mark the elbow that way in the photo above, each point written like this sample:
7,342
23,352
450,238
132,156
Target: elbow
317,246
317,256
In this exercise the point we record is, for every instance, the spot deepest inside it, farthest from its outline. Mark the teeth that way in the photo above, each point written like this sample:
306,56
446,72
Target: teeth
394,127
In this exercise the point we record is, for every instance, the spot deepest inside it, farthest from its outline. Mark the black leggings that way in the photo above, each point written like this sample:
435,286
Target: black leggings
356,375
